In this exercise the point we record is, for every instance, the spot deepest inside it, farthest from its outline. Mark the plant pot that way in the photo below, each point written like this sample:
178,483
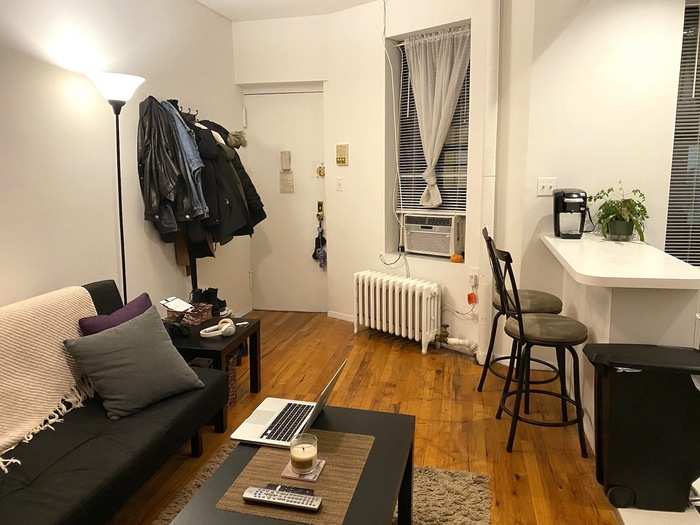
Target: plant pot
620,231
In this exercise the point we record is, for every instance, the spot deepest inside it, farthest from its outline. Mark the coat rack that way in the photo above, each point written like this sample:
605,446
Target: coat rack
192,117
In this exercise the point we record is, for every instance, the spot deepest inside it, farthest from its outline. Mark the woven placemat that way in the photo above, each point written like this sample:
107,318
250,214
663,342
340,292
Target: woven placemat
345,455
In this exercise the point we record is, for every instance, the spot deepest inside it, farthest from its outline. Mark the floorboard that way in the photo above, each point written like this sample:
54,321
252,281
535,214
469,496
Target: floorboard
544,481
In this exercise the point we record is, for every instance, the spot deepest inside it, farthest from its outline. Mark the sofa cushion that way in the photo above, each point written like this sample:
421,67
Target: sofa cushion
105,296
133,365
85,470
132,309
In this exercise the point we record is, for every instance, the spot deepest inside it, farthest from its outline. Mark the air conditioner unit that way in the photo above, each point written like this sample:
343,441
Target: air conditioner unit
433,234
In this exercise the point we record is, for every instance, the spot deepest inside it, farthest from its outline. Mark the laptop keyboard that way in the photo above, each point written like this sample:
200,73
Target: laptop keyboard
287,422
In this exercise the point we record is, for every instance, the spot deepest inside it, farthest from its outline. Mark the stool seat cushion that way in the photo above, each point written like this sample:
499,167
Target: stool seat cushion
548,329
532,302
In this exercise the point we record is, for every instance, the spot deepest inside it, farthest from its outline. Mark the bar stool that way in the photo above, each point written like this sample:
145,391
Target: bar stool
531,301
539,329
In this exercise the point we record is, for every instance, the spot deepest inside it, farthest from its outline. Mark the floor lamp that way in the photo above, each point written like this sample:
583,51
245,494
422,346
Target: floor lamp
117,89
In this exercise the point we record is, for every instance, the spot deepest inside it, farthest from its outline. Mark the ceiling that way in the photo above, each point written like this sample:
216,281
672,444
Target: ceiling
238,10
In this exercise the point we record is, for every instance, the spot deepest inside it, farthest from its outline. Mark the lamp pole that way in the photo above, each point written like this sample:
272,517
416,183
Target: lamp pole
117,106
117,89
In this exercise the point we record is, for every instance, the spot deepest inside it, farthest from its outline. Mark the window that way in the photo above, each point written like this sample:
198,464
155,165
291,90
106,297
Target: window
451,168
683,221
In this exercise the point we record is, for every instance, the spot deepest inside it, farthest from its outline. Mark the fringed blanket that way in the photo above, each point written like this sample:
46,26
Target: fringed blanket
39,381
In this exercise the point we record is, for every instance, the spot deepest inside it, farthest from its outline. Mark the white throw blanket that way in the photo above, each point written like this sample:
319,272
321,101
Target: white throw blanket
37,376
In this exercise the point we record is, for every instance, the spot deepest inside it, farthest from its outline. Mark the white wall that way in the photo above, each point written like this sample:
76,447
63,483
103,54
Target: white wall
588,95
58,198
280,50
354,114
408,16
357,107
601,105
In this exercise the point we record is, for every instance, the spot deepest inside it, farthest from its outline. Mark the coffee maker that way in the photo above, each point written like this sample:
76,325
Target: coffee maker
570,210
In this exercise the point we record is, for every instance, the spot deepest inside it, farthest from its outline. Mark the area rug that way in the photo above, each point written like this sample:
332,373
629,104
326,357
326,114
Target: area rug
440,497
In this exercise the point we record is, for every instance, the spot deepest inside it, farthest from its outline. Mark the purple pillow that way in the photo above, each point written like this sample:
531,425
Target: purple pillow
98,323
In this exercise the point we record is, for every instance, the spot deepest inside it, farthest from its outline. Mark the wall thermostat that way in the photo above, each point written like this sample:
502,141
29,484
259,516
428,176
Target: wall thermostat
342,154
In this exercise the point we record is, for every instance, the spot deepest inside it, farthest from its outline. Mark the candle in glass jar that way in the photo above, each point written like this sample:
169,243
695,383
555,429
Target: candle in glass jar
303,452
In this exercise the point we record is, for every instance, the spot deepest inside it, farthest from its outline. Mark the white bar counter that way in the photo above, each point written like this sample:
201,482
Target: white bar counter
624,292
593,261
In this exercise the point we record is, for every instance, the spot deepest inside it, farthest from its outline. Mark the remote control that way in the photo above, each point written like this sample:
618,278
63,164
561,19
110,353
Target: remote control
289,488
282,498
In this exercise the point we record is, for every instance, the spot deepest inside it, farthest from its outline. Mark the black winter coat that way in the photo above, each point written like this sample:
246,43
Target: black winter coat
256,213
222,190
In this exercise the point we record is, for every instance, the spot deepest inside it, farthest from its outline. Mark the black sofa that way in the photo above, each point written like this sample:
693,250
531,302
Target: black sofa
84,471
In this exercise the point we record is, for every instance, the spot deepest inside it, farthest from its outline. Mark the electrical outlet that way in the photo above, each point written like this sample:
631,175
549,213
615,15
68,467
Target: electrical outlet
545,186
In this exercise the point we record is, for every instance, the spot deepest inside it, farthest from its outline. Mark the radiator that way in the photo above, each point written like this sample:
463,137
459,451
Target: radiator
396,305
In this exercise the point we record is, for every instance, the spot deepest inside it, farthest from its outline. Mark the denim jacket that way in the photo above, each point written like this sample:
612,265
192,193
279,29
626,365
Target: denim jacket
193,162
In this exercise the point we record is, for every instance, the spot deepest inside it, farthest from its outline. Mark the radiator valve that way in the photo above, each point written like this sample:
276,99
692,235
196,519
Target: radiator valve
443,334
443,337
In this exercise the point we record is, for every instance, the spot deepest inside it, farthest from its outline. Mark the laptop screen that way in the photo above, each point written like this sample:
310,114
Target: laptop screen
323,397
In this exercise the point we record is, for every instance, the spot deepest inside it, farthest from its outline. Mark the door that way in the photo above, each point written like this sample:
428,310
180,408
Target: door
285,277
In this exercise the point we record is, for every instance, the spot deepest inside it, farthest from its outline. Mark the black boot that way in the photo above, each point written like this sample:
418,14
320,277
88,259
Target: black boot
210,298
198,296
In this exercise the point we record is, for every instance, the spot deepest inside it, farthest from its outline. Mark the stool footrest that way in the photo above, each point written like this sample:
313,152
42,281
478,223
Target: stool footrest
537,422
536,360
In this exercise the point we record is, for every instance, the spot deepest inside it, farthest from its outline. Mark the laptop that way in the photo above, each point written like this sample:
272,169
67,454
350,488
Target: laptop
277,421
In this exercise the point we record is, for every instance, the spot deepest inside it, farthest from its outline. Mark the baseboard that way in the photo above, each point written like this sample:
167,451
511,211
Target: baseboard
342,316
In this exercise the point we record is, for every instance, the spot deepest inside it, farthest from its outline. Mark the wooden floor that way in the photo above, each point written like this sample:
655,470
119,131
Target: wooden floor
544,480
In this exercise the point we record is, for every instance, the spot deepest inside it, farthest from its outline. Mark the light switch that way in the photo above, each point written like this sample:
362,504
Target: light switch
545,186
286,160
339,184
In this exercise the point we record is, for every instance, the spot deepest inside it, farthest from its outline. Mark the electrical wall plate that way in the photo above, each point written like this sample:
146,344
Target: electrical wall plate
320,169
342,154
286,160
286,181
545,186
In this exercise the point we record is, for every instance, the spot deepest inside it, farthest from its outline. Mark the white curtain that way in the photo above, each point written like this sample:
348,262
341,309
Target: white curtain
437,63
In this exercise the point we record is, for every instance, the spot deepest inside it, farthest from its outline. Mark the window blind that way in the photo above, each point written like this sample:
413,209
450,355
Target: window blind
451,168
683,220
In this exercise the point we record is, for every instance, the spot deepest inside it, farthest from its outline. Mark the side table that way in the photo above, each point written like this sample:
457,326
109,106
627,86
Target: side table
222,350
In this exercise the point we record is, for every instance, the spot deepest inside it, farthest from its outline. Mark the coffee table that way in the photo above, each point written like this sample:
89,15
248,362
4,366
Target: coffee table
386,478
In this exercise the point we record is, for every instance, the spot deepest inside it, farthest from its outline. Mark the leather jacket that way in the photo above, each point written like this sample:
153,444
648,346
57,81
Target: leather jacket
161,165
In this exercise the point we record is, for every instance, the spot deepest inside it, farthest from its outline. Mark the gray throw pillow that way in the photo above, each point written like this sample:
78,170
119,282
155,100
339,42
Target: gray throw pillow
133,365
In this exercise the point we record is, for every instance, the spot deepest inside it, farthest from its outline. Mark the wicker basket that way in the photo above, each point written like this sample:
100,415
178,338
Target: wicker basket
199,313
232,383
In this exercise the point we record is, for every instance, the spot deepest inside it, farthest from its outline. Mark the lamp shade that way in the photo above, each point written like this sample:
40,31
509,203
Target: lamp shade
116,86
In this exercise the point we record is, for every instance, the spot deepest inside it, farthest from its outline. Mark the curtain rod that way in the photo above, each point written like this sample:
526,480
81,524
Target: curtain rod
438,34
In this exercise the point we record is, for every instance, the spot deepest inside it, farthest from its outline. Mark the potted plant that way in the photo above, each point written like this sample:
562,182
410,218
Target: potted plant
619,214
